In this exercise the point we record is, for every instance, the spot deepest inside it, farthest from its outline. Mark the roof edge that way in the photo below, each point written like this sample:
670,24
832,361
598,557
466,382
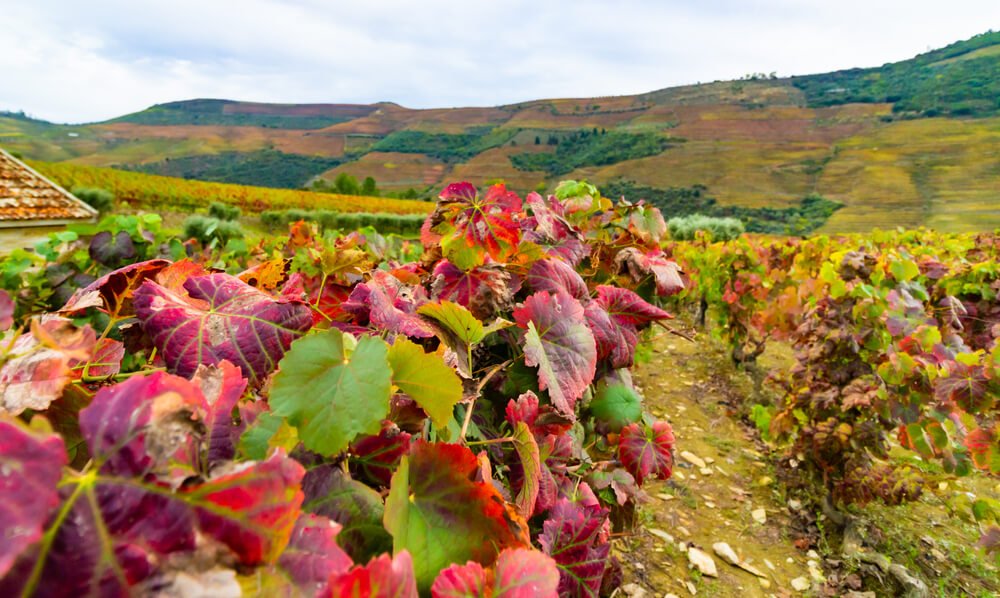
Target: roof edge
74,199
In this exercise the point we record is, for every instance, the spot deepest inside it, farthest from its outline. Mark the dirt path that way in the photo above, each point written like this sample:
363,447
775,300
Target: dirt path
722,490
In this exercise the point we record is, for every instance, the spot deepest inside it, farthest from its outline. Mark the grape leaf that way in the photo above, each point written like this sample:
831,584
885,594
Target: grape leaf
220,317
519,573
531,465
387,304
426,378
639,266
333,389
525,573
571,537
456,320
560,344
553,275
112,251
39,363
615,343
313,555
114,291
647,450
548,228
222,386
6,310
486,291
626,308
374,458
473,227
382,577
436,510
359,509
31,465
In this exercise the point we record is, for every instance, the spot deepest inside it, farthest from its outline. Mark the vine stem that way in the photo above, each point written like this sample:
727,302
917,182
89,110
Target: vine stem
479,389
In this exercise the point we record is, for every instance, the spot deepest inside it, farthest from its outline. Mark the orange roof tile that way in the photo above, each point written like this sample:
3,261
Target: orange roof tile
27,198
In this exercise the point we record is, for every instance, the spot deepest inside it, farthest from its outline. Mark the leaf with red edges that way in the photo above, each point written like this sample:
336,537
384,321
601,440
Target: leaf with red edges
388,305
525,573
473,227
437,511
39,364
615,342
31,465
382,577
531,465
553,275
313,554
6,310
571,537
220,318
113,292
647,450
639,266
548,228
222,386
485,291
374,458
560,344
107,359
462,581
627,308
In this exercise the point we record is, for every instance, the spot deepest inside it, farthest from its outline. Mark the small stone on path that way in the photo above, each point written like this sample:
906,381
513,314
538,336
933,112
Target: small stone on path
725,552
801,584
665,496
752,570
693,459
659,533
702,562
759,515
633,590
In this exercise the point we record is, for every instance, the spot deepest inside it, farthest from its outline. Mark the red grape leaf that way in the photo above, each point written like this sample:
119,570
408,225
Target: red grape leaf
647,450
113,292
560,344
220,317
39,363
640,265
222,386
615,342
382,577
462,581
627,308
571,537
525,573
485,291
313,555
437,511
548,228
31,465
472,227
387,304
984,449
374,458
553,275
531,465
330,492
6,310
107,359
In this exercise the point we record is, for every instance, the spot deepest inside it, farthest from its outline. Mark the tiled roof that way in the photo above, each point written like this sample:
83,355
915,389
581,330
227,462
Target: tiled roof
27,198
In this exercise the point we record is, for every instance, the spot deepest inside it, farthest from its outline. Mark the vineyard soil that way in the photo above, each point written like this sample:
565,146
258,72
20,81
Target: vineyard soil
694,386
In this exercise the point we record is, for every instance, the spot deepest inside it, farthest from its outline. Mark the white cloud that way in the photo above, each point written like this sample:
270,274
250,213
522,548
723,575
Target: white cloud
81,61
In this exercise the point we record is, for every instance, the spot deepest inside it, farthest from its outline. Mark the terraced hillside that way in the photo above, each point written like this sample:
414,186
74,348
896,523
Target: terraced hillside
909,143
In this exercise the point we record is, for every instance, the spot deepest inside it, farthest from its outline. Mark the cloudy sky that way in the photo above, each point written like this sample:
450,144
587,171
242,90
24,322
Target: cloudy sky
79,61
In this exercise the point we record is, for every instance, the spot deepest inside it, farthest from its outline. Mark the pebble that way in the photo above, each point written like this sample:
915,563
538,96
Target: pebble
702,562
812,554
764,481
725,552
794,505
679,475
764,583
801,584
709,504
709,460
633,590
693,459
759,515
690,587
659,533
770,565
752,570
706,471
665,496
671,596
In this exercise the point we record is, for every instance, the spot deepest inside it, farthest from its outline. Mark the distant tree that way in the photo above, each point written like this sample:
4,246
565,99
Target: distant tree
595,131
538,140
368,187
346,184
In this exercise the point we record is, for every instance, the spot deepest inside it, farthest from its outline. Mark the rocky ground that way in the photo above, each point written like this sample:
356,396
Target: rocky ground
723,526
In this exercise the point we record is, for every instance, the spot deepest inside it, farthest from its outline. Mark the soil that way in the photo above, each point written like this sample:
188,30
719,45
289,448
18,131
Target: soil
695,387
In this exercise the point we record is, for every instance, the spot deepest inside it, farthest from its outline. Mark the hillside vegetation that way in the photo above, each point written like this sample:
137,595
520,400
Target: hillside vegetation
905,144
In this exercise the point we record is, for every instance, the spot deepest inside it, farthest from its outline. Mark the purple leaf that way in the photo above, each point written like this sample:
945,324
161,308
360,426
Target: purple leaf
485,291
553,275
627,308
220,318
640,265
560,344
548,228
112,251
571,537
313,555
387,304
222,387
30,467
6,310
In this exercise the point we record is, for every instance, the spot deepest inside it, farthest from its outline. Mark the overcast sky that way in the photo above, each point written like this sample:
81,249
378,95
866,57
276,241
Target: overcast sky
87,60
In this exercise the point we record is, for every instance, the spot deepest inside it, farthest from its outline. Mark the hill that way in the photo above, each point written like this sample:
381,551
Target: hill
910,143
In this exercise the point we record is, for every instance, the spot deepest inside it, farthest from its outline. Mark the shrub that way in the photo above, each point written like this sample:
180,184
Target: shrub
207,229
223,211
101,200
720,229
